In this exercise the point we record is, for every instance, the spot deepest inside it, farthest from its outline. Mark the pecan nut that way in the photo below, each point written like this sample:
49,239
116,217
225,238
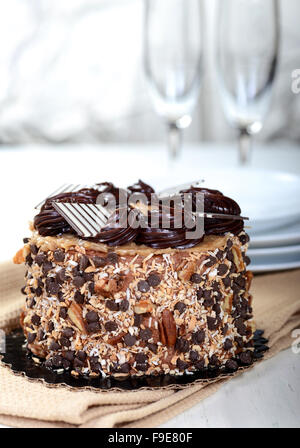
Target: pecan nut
168,328
75,315
238,259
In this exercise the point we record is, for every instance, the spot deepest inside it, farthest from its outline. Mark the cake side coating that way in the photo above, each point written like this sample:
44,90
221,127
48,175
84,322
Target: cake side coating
94,309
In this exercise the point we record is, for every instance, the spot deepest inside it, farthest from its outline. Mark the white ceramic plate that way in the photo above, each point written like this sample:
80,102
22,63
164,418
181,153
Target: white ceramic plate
269,198
274,259
272,267
281,237
273,252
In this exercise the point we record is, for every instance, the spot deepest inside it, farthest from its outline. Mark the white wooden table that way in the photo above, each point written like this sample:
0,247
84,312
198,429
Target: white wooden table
266,396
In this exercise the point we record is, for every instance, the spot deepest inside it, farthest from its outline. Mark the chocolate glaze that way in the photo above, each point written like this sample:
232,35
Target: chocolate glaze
49,222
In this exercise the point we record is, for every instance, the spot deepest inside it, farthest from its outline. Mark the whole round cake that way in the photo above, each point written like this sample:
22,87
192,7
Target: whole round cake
137,300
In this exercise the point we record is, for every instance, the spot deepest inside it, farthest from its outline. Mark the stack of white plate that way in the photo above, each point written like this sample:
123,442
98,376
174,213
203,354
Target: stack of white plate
272,202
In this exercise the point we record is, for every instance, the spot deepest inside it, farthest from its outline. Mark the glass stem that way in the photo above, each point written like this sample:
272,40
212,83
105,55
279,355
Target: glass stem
244,146
175,140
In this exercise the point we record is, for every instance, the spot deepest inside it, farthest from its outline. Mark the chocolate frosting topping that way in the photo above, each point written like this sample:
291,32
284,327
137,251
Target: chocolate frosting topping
49,222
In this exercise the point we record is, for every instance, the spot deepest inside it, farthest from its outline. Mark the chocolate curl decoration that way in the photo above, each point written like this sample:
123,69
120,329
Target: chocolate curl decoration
216,202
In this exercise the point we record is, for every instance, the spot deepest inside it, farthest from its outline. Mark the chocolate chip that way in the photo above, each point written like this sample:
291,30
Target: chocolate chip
57,360
153,279
194,356
50,326
180,306
217,308
112,258
145,334
228,344
79,298
137,320
181,365
143,286
41,335
91,287
66,364
34,249
215,286
198,337
182,345
212,260
226,281
141,358
69,355
199,293
68,332
48,363
125,368
78,281
92,316
36,320
46,267
129,340
26,240
61,276
78,363
54,346
59,255
239,341
84,262
88,276
52,287
219,254
65,342
230,256
200,364
222,269
142,367
224,329
93,327
214,361
81,355
40,258
244,238
95,365
63,312
112,305
60,296
23,290
240,326
231,365
124,305
229,244
246,357
208,302
195,278
99,262
31,337
247,260
29,260
212,323
111,326
38,291
153,347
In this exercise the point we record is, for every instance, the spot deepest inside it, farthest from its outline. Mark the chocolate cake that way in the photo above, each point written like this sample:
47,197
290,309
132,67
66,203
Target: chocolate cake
139,300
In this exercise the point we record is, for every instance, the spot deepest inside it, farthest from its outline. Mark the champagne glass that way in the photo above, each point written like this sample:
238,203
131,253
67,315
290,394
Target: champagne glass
248,35
172,61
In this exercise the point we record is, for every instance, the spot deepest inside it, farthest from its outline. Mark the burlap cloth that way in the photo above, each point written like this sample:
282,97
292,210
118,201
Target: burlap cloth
24,403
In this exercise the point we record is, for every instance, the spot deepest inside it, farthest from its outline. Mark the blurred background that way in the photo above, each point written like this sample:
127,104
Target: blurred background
72,71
